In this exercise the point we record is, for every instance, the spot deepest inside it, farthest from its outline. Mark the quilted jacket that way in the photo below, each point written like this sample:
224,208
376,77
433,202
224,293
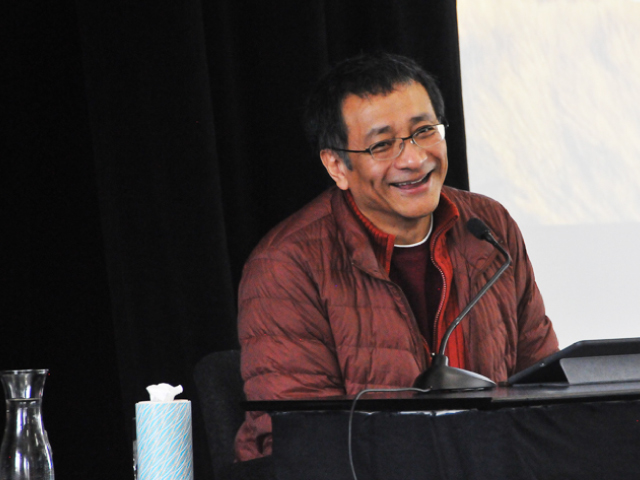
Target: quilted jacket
318,316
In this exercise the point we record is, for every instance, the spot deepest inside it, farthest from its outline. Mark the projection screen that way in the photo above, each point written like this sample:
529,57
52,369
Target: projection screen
551,95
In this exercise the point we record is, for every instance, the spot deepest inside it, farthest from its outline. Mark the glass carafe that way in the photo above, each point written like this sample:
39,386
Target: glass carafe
25,453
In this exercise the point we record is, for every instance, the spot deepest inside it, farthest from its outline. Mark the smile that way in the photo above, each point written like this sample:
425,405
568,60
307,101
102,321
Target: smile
413,184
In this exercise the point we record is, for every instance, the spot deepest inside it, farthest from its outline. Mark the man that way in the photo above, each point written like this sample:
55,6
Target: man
356,289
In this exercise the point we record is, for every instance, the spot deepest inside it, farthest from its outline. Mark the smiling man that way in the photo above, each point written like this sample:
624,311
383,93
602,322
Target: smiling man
397,187
355,290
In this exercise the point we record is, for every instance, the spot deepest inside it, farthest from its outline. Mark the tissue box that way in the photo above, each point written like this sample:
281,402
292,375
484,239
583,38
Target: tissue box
163,431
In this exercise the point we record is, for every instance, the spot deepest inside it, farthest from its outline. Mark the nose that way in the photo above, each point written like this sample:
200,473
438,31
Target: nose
411,156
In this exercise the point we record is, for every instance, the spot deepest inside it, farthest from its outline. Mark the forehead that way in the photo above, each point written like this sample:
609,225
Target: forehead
404,106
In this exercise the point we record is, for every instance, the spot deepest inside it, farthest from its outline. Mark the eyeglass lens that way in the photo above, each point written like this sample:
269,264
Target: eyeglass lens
423,138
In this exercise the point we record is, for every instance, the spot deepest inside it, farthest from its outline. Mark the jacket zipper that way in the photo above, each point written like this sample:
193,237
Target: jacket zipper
434,347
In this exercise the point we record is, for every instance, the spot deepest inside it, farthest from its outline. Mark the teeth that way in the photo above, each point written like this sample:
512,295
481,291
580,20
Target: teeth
409,183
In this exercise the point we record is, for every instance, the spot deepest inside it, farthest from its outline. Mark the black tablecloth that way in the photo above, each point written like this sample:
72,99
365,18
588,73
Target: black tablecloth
596,440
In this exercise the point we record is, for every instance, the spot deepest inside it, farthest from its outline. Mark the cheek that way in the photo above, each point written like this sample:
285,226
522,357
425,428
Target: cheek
378,173
373,175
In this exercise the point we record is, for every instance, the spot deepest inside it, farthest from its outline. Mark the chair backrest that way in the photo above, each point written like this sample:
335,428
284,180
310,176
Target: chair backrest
219,385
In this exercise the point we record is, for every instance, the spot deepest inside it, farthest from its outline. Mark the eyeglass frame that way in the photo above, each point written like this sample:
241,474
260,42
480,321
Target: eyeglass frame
412,137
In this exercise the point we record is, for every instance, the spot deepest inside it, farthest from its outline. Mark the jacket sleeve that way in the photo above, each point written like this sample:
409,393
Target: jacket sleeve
287,349
536,337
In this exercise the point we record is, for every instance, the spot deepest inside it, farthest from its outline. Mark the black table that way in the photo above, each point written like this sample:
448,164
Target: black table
544,432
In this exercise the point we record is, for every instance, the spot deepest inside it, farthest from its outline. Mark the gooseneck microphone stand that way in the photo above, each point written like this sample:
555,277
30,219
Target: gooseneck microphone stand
440,376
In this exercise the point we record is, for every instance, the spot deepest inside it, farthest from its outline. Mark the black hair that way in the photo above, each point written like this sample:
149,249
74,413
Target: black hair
366,74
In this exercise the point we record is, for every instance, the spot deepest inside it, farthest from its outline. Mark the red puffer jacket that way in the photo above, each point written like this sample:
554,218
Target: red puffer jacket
318,316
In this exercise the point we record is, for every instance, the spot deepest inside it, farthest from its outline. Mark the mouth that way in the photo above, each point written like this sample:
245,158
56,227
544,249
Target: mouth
412,184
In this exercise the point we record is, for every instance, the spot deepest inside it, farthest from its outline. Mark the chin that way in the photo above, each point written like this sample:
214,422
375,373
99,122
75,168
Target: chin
413,214
423,209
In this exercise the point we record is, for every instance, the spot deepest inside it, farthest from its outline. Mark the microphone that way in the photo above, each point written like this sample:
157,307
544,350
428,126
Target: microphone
478,228
440,376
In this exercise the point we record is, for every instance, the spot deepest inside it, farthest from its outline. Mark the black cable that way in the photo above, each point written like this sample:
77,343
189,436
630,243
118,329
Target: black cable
353,408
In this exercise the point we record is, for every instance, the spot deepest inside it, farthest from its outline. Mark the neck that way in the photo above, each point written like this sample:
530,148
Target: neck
412,232
424,239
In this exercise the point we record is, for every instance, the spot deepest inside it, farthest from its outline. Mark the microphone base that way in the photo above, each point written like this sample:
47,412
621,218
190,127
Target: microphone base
443,377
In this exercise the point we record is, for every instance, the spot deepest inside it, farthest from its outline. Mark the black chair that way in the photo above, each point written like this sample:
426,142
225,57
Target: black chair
219,384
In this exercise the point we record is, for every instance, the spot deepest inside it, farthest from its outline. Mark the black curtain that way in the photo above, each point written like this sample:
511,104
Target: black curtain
148,146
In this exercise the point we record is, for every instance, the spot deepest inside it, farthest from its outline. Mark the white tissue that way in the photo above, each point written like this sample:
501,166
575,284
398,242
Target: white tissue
163,392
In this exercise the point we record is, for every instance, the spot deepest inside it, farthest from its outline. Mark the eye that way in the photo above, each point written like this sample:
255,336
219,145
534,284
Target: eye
424,132
382,146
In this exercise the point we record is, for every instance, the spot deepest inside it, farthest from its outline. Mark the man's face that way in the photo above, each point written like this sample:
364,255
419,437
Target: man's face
397,195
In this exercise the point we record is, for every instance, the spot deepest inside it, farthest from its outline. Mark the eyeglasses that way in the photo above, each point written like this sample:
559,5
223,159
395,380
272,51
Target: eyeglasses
424,137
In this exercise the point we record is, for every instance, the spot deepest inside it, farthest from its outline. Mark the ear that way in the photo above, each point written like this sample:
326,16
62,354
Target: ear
336,168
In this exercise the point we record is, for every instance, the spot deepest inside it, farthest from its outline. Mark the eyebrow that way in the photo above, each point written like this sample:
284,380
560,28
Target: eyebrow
386,129
377,131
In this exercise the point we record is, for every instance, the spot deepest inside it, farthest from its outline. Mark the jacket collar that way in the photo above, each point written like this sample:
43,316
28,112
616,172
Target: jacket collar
369,247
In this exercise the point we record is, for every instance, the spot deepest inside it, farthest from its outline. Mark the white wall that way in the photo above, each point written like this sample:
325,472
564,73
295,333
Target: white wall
551,94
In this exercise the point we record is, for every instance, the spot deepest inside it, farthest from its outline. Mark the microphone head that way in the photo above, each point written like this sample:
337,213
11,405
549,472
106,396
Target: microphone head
478,228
